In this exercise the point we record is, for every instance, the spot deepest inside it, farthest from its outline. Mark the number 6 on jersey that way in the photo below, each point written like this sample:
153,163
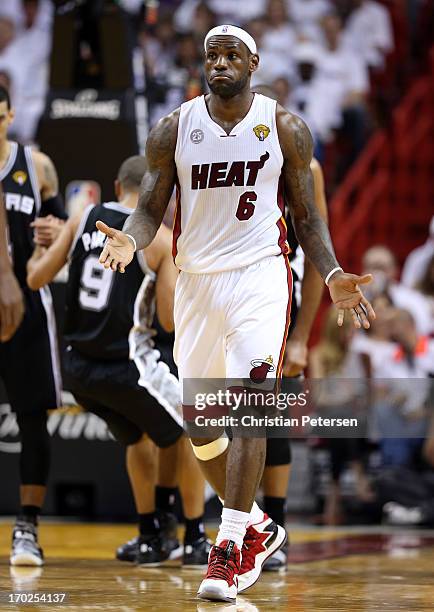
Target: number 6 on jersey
246,208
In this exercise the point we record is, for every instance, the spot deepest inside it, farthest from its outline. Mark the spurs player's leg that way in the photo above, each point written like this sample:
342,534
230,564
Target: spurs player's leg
28,361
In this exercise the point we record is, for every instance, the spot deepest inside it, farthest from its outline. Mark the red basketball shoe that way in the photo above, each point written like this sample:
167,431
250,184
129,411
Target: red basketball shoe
221,580
260,542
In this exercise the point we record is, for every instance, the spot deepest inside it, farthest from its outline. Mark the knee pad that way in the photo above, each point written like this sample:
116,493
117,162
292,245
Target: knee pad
213,449
278,451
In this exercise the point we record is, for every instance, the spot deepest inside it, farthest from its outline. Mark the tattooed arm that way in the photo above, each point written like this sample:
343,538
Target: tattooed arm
47,175
155,192
312,288
52,216
310,228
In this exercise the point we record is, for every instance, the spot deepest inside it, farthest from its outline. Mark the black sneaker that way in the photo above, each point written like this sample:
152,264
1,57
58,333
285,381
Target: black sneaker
196,553
278,561
151,551
169,527
128,551
25,547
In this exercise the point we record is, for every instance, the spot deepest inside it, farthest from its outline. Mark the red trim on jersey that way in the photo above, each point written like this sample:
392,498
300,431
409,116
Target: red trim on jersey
176,221
281,223
288,322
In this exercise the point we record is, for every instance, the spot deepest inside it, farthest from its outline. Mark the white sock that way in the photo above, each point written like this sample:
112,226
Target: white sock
256,514
233,526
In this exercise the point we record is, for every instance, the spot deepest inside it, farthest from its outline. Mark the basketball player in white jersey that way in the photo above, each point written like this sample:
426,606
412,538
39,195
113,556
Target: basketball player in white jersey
230,153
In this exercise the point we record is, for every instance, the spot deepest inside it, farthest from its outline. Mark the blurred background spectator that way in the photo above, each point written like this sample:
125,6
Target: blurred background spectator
369,32
25,46
381,262
417,261
340,392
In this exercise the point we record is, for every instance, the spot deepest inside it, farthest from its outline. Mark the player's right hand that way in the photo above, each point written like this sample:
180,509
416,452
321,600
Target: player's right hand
11,305
118,251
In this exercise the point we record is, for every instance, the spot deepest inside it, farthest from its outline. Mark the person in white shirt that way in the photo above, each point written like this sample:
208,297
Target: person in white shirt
306,15
280,35
26,60
404,383
229,11
342,67
416,263
7,31
344,76
426,288
26,13
274,63
381,262
368,32
375,345
312,98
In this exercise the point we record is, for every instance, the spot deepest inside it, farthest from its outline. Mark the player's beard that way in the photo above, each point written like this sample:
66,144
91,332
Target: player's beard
229,89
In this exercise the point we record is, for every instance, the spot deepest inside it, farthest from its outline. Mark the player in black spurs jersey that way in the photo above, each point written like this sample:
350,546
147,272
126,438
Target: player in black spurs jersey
11,296
112,366
28,361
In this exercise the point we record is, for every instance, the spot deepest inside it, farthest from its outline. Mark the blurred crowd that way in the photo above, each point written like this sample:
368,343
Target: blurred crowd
319,55
391,372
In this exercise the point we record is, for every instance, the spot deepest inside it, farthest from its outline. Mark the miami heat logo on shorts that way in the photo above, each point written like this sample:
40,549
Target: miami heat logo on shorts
260,369
261,131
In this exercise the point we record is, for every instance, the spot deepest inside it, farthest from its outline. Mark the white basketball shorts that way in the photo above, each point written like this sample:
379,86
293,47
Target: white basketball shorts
233,324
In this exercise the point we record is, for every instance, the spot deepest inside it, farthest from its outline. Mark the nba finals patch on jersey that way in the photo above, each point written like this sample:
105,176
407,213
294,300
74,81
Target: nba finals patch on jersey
261,131
20,177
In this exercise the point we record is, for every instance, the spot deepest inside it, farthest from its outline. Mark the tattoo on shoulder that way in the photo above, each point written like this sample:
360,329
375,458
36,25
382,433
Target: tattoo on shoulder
161,141
303,140
50,174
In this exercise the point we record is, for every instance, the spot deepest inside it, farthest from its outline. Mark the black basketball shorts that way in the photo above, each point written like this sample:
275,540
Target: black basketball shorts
111,390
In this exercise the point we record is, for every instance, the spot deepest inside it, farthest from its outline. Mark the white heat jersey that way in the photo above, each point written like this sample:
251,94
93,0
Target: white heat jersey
229,203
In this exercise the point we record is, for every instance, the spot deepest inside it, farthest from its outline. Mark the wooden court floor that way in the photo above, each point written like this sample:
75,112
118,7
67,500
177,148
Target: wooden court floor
357,570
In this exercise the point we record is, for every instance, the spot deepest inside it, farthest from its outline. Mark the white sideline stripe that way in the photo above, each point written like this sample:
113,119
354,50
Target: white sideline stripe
140,366
47,302
33,177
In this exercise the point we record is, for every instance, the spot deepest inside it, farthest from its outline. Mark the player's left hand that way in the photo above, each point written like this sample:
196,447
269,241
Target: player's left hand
46,230
347,296
295,359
